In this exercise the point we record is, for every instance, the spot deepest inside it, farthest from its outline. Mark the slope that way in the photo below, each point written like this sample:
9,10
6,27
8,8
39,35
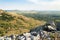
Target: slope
12,23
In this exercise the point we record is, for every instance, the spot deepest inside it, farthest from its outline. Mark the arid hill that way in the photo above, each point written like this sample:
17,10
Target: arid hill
13,23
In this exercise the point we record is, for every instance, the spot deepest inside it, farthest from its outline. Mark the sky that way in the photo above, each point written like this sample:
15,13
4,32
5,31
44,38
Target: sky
30,4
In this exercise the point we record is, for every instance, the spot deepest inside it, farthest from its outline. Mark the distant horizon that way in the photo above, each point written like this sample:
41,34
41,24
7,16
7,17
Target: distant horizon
29,10
30,5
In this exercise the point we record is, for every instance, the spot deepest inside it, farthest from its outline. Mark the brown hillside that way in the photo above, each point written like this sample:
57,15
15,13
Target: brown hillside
12,23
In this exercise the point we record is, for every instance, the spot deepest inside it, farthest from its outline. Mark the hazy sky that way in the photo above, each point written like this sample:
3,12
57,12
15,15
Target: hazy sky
30,4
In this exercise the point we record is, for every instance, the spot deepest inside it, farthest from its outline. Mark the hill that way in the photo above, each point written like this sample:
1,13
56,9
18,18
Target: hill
13,23
39,15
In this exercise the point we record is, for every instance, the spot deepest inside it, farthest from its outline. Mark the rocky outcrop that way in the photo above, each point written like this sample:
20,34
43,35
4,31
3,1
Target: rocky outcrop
49,27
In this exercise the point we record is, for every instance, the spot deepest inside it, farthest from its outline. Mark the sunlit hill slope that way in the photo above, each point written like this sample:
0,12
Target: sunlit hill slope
13,23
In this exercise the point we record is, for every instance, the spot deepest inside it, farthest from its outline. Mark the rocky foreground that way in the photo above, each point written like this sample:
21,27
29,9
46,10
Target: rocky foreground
48,32
42,35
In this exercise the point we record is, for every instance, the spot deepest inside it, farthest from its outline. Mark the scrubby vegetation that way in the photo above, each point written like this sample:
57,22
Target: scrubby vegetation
12,23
